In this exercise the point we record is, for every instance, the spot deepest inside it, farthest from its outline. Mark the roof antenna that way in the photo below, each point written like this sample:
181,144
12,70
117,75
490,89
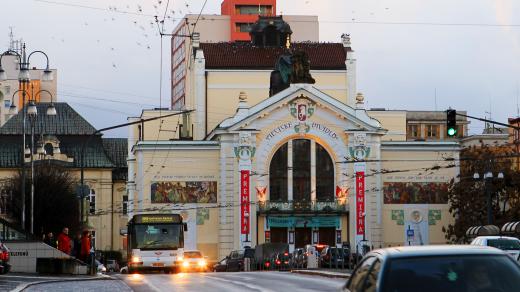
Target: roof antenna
517,107
435,97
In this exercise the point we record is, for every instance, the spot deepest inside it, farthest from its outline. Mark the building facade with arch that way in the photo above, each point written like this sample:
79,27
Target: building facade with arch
298,167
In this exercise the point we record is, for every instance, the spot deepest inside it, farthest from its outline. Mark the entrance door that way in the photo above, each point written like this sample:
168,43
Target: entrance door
303,236
327,235
279,234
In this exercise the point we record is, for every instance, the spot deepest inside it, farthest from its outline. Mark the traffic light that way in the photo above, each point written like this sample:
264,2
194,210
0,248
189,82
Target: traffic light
451,122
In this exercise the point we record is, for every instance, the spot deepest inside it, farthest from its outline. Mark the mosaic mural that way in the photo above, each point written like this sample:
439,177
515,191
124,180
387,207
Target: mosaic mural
182,192
415,193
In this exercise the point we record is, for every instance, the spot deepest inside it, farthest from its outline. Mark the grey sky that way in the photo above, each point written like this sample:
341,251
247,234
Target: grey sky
107,54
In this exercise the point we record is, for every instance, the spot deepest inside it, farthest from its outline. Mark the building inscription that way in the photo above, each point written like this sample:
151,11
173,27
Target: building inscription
290,126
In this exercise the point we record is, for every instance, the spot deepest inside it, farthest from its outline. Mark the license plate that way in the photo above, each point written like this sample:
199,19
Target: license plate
157,265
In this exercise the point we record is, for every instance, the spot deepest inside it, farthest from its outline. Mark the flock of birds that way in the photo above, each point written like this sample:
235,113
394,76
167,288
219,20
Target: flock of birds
149,19
142,17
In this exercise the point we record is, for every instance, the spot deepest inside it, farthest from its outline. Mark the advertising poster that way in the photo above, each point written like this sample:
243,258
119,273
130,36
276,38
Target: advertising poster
244,202
360,202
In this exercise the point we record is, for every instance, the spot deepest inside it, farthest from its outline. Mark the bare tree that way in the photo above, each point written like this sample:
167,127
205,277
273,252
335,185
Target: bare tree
55,202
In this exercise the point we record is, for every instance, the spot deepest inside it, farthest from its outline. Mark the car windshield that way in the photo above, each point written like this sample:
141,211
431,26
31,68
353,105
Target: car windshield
453,273
504,243
192,254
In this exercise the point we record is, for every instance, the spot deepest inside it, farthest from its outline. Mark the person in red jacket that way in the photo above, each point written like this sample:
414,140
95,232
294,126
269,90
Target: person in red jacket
64,241
85,246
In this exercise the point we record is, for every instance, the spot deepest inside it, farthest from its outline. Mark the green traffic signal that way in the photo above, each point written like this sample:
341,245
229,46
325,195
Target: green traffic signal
451,122
452,132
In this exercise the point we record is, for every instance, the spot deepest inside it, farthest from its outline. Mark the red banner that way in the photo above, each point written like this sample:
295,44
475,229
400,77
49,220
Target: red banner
244,202
360,202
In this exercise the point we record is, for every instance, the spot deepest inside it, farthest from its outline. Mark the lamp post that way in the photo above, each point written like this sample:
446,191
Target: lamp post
24,77
32,112
488,176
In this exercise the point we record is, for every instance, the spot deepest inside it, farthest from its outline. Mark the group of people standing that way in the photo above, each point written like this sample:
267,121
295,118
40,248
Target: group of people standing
78,247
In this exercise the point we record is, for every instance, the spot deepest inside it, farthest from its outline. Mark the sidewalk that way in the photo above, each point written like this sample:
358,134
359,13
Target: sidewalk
330,273
72,283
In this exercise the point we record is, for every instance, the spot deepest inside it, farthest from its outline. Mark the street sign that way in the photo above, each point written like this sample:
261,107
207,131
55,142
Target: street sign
410,232
86,191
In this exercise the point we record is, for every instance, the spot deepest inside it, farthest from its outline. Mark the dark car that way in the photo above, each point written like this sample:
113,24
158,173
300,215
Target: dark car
235,260
220,266
333,257
4,259
281,261
449,268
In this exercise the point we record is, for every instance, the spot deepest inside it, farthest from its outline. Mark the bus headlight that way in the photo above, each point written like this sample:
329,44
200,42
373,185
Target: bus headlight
180,258
136,259
185,264
202,263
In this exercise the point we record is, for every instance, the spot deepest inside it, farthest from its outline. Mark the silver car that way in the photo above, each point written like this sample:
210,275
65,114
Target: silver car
445,268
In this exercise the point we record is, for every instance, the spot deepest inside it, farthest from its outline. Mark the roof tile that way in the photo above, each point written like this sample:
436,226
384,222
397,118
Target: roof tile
241,55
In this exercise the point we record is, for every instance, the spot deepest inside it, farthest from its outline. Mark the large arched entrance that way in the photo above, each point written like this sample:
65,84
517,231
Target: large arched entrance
301,174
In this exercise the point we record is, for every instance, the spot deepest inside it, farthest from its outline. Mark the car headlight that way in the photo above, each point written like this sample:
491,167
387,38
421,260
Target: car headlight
202,263
185,264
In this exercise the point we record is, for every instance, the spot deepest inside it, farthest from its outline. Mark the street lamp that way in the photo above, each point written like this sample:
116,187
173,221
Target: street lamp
488,176
24,77
32,113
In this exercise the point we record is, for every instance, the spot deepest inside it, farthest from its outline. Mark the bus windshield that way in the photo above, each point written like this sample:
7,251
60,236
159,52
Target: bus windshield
158,236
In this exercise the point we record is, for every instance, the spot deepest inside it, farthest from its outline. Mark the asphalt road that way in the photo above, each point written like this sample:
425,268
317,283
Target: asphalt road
231,282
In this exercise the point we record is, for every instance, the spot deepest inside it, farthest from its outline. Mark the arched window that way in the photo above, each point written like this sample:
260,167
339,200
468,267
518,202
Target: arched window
324,175
278,175
49,149
297,168
92,202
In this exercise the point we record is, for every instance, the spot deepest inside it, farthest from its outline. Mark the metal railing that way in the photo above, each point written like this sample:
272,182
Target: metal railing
302,206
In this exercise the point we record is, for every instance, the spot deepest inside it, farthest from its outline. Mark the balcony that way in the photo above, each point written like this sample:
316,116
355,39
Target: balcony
281,207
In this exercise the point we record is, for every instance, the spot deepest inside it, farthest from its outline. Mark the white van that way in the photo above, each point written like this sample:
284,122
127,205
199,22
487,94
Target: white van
510,245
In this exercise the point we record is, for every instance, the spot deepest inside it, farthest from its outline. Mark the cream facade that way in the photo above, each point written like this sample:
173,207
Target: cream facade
288,201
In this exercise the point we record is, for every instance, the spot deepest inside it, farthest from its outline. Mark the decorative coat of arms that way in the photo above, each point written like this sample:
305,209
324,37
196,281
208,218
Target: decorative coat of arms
302,109
245,151
359,152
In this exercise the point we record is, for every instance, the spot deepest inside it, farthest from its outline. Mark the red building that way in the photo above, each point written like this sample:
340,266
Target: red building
244,13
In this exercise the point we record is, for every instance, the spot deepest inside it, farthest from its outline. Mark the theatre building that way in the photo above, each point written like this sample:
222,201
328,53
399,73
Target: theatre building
270,157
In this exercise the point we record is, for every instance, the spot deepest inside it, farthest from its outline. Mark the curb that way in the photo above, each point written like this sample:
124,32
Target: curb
22,287
322,274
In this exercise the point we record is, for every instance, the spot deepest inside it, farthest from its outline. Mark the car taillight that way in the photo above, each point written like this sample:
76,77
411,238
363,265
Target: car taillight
286,254
4,256
278,262
267,264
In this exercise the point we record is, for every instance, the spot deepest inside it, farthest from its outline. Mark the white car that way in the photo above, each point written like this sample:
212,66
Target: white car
194,261
510,245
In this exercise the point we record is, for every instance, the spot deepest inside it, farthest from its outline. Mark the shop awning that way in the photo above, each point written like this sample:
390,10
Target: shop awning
511,227
485,230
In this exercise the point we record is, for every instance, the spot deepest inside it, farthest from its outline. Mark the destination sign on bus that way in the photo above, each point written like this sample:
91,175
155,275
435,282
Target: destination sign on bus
143,219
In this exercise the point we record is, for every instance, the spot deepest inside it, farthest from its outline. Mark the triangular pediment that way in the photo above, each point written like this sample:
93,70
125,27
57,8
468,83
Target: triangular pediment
300,103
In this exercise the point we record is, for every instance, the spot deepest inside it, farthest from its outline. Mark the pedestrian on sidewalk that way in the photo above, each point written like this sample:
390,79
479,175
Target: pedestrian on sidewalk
64,241
85,246
76,246
50,240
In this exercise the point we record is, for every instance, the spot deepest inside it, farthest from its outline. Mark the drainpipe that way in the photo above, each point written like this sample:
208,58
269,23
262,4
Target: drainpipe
112,219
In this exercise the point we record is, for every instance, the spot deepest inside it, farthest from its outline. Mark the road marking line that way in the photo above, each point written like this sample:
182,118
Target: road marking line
149,284
253,287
